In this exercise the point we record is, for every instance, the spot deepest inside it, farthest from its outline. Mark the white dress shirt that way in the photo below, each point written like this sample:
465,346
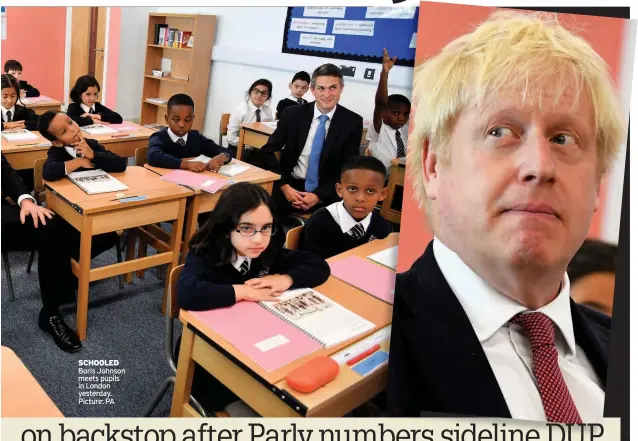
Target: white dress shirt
87,108
300,170
239,260
4,114
344,219
245,113
174,137
383,145
508,350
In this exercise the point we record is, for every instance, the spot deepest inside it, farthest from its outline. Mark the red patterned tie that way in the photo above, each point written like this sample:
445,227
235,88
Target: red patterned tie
557,401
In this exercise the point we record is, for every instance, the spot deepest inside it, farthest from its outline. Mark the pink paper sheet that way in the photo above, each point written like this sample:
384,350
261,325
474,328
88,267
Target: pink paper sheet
199,181
374,279
246,324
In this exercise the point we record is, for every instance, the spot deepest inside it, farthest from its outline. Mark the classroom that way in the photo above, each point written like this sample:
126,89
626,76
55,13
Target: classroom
147,120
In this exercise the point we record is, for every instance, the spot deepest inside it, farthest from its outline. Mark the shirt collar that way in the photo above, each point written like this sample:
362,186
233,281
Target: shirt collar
12,110
344,219
294,98
488,309
252,107
329,114
87,108
239,260
174,137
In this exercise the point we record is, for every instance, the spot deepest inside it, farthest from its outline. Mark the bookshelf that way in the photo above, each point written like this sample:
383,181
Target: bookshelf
190,66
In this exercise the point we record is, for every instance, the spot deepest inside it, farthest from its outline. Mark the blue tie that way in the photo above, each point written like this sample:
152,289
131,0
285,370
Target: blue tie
312,175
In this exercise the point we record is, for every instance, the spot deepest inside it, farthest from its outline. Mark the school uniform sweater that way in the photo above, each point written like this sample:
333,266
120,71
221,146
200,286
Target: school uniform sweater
285,103
75,112
29,89
25,114
54,168
163,152
203,286
323,236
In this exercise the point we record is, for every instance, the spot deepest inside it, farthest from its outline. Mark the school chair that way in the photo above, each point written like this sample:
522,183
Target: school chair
171,296
397,176
140,156
293,237
223,126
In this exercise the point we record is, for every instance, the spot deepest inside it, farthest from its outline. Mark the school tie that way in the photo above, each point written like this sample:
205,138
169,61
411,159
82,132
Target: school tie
357,231
312,175
557,401
400,146
244,267
181,141
92,111
299,100
9,116
258,115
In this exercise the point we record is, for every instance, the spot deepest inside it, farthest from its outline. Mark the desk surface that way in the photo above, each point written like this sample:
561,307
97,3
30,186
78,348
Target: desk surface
139,181
9,147
258,127
367,306
254,174
140,132
40,101
22,395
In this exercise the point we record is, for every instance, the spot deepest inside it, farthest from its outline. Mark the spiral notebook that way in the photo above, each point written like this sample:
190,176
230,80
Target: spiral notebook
279,333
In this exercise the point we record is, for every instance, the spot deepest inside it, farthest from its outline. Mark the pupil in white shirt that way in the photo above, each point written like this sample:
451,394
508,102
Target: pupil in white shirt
181,113
9,92
362,185
397,112
260,92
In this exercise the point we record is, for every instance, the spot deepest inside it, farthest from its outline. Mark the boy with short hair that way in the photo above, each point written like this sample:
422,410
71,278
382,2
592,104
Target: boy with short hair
14,67
169,147
388,133
298,87
351,222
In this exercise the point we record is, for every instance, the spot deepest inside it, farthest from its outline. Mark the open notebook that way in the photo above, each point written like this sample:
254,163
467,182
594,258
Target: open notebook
96,181
19,135
274,334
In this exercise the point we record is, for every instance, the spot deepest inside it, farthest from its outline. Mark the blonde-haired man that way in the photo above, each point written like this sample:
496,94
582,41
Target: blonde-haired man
515,124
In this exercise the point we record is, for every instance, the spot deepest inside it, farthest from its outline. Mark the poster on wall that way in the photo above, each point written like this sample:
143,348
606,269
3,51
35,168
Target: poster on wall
3,23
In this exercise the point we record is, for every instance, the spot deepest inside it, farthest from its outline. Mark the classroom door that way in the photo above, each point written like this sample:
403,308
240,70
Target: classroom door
88,43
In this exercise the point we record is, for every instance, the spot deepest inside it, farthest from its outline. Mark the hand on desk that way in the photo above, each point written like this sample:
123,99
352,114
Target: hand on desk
251,294
215,163
276,284
196,167
37,213
14,125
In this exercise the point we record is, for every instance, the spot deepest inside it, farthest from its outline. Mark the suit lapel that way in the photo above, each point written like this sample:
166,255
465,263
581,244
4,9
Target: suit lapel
453,355
594,348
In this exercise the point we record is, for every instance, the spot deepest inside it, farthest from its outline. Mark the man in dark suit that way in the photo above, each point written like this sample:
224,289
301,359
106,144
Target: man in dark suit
483,321
27,226
318,138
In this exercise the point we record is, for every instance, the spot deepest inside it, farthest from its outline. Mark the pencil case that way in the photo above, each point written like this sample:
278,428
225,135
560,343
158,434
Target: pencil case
313,374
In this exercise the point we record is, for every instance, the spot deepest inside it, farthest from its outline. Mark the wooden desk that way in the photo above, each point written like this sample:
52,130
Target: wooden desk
22,395
24,155
41,104
267,392
253,134
203,202
396,179
97,214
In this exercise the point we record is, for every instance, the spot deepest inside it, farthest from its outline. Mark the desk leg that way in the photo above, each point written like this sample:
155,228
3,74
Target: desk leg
184,376
240,144
191,225
176,235
83,280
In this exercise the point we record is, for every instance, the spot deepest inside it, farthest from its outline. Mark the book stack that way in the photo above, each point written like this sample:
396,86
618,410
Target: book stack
172,37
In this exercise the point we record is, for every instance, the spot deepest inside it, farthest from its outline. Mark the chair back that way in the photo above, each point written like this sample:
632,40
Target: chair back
140,156
293,237
171,298
38,182
223,126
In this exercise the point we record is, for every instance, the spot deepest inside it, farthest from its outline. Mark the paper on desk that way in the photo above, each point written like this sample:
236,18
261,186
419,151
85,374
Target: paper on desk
201,158
351,351
387,257
271,124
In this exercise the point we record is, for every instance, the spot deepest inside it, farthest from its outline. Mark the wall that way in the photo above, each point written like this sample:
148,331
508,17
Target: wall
39,46
112,55
241,56
444,22
130,66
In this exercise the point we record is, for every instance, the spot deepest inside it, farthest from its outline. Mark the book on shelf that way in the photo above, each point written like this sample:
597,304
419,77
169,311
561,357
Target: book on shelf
186,35
96,181
191,41
159,33
98,129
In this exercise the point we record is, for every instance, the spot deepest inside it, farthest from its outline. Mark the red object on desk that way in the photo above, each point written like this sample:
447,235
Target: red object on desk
357,358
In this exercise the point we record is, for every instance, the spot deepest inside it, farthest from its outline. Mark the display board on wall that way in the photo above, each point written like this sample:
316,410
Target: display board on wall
352,33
